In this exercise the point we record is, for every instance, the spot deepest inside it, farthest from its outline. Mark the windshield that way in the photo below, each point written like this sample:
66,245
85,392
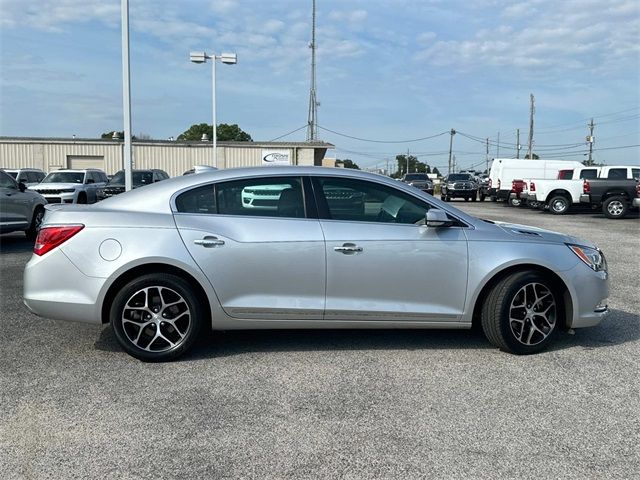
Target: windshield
64,177
139,178
459,176
416,176
13,174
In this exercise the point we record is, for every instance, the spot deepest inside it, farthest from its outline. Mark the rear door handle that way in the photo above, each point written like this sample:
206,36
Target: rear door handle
209,242
348,249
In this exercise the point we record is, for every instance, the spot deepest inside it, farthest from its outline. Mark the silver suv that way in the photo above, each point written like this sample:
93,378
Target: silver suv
20,209
28,176
72,186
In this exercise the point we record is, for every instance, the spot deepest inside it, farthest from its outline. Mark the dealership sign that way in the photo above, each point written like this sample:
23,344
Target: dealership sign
276,157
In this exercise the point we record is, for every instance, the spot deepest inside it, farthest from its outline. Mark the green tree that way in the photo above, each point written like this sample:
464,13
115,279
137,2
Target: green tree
436,171
224,132
533,156
415,166
347,163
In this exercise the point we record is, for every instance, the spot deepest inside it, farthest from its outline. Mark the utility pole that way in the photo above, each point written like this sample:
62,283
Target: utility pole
453,132
532,110
498,147
407,160
518,143
487,156
590,140
312,119
454,164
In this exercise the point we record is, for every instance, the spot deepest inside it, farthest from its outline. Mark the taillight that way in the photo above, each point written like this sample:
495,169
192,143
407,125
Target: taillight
586,188
52,237
532,187
513,185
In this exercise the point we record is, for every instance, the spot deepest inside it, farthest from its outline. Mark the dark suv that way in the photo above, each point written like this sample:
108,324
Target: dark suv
460,185
419,180
140,178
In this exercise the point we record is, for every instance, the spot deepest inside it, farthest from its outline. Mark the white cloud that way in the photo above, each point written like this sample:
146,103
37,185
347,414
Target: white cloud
50,15
426,38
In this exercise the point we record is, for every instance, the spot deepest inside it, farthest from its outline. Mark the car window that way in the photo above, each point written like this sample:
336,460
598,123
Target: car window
363,201
22,177
6,181
268,197
566,175
33,177
589,173
635,172
617,173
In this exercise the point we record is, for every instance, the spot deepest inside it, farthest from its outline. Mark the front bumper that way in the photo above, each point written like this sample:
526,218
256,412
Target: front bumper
66,197
589,291
461,193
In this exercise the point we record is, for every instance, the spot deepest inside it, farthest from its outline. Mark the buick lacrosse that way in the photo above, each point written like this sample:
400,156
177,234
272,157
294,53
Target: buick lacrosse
304,247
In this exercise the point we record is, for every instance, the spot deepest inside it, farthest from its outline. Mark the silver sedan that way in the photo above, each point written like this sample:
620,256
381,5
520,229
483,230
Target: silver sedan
304,247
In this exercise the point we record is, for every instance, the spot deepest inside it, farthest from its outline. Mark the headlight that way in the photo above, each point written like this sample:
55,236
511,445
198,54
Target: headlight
592,257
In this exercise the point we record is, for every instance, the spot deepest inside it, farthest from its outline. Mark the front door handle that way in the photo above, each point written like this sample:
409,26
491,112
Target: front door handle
348,249
209,242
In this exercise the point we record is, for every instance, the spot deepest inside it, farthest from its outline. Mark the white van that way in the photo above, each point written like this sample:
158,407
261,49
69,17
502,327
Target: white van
506,170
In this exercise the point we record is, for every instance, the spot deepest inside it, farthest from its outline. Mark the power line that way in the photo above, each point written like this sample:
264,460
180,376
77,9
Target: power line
287,134
382,141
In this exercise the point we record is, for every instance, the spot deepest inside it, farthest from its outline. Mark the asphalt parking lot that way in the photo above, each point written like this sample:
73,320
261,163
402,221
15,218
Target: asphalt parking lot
328,404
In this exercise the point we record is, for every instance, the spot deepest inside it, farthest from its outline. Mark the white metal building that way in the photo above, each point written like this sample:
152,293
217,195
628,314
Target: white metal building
174,157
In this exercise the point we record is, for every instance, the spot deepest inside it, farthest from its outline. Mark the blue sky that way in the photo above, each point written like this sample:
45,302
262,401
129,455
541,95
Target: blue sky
388,70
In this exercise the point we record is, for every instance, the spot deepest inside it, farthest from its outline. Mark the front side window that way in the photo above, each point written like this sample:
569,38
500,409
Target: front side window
363,201
262,197
635,172
589,173
6,181
617,173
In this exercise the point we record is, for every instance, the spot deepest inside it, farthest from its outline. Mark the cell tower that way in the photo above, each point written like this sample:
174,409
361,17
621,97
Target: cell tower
312,120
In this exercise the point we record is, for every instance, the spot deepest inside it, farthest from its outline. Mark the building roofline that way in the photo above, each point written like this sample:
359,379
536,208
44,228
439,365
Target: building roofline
109,141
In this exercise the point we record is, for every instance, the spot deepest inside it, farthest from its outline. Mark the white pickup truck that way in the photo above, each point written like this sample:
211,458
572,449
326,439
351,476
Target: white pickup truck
561,193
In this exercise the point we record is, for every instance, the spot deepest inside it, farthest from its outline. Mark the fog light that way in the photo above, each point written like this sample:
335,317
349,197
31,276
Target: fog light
601,308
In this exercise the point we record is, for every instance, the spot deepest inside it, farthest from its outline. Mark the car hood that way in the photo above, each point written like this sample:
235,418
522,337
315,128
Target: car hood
538,234
55,186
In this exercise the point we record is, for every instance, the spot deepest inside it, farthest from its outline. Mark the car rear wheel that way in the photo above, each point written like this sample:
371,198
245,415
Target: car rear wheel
482,197
36,223
520,315
156,317
82,198
615,207
515,202
559,205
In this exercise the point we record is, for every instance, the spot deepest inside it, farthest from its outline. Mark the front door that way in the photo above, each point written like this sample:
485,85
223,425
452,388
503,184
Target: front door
383,263
253,240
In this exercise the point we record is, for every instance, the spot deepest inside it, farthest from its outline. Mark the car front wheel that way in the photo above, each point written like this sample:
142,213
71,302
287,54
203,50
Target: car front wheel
520,315
559,205
156,317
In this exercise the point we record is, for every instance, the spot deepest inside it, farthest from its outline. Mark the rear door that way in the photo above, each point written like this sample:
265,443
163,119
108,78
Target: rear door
15,207
260,244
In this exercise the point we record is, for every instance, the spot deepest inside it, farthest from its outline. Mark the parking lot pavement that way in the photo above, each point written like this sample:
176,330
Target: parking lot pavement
327,404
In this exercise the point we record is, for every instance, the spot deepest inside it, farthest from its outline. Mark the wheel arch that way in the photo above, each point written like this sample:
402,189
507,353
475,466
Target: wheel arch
566,300
615,193
139,270
558,192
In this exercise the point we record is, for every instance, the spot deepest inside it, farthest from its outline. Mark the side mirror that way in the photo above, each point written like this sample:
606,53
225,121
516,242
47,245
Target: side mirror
21,186
437,218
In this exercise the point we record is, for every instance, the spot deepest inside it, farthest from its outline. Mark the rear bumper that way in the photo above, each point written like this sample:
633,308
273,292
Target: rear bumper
585,198
55,288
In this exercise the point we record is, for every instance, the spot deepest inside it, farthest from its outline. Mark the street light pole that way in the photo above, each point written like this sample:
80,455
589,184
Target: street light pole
453,132
126,95
229,59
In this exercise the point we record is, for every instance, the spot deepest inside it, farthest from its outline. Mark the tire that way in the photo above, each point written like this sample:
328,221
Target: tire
615,207
474,198
447,198
514,202
82,197
494,198
163,337
466,199
36,223
559,205
442,197
521,313
482,197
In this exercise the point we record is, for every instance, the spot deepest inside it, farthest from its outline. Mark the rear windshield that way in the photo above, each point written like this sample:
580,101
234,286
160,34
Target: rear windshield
416,176
64,177
138,178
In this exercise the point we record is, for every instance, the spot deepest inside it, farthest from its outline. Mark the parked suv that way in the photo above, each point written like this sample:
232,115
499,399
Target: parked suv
72,186
461,185
139,178
419,180
20,209
28,176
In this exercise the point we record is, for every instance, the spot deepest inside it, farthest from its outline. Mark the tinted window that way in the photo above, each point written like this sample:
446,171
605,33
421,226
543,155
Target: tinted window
269,197
6,181
34,177
22,177
589,173
362,201
416,176
635,172
617,173
565,175
459,176
12,174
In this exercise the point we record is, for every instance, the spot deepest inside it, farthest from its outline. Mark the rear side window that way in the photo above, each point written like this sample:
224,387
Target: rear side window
635,172
589,173
199,200
617,173
565,174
